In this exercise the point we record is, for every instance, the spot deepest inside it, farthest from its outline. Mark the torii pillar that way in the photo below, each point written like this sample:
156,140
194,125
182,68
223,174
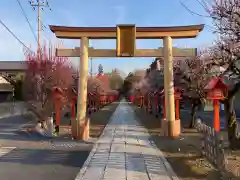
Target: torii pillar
169,85
80,127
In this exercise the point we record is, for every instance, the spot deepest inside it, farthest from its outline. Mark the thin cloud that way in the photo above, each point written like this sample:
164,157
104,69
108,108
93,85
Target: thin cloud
121,14
67,17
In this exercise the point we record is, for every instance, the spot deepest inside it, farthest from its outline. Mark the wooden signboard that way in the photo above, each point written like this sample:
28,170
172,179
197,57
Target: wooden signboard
126,40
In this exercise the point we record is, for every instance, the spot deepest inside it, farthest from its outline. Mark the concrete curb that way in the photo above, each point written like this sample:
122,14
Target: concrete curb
12,114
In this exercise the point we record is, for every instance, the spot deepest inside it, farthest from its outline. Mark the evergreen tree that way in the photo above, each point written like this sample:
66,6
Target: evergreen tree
100,69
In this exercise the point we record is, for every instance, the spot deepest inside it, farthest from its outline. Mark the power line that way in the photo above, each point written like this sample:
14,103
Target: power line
192,12
21,42
204,5
43,26
25,15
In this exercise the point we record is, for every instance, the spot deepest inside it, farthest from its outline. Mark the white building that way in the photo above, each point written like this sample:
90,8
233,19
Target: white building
6,90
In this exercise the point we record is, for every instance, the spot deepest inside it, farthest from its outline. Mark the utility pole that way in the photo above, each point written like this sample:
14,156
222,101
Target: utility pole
91,68
39,5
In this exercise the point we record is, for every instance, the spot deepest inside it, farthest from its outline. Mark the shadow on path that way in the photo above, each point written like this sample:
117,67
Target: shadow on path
41,164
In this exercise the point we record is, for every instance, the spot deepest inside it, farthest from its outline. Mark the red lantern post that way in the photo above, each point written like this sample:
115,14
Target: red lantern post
89,103
107,98
94,102
102,99
112,98
58,95
177,104
215,90
137,97
156,103
156,99
141,101
150,96
163,103
131,98
73,112
74,99
146,102
140,98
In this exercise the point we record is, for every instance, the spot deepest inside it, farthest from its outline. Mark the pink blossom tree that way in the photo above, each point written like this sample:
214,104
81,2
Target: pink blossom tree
44,72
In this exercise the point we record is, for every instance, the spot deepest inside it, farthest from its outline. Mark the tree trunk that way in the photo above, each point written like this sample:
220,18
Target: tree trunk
231,123
193,114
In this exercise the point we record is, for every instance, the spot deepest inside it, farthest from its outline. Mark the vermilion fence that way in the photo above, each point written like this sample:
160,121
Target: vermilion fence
95,101
150,101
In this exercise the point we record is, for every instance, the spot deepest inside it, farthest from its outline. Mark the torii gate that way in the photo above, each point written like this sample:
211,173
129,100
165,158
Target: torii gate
126,36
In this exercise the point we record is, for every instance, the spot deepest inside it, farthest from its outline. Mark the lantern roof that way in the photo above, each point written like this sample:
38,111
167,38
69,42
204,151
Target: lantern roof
57,90
214,83
74,91
90,93
176,89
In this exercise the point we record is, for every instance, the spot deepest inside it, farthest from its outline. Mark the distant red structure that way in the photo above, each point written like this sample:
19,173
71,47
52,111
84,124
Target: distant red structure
104,78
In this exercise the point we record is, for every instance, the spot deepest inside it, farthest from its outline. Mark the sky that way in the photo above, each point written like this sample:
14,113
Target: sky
99,13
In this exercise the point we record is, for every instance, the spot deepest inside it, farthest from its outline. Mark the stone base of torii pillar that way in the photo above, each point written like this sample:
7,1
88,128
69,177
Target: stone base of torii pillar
80,131
170,128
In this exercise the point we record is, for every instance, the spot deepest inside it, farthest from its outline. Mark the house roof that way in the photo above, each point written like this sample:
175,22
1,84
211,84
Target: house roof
5,85
3,80
102,76
13,65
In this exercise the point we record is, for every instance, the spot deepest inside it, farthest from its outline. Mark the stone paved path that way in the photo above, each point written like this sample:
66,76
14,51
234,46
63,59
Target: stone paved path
124,152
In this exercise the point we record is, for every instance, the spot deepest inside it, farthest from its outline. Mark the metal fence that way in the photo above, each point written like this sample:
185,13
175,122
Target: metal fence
12,109
212,147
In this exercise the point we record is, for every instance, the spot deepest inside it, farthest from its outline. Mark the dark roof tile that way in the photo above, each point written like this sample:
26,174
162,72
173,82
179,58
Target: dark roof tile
13,65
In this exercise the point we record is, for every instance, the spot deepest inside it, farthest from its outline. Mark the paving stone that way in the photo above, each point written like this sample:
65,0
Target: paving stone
92,173
124,152
103,148
131,175
114,174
